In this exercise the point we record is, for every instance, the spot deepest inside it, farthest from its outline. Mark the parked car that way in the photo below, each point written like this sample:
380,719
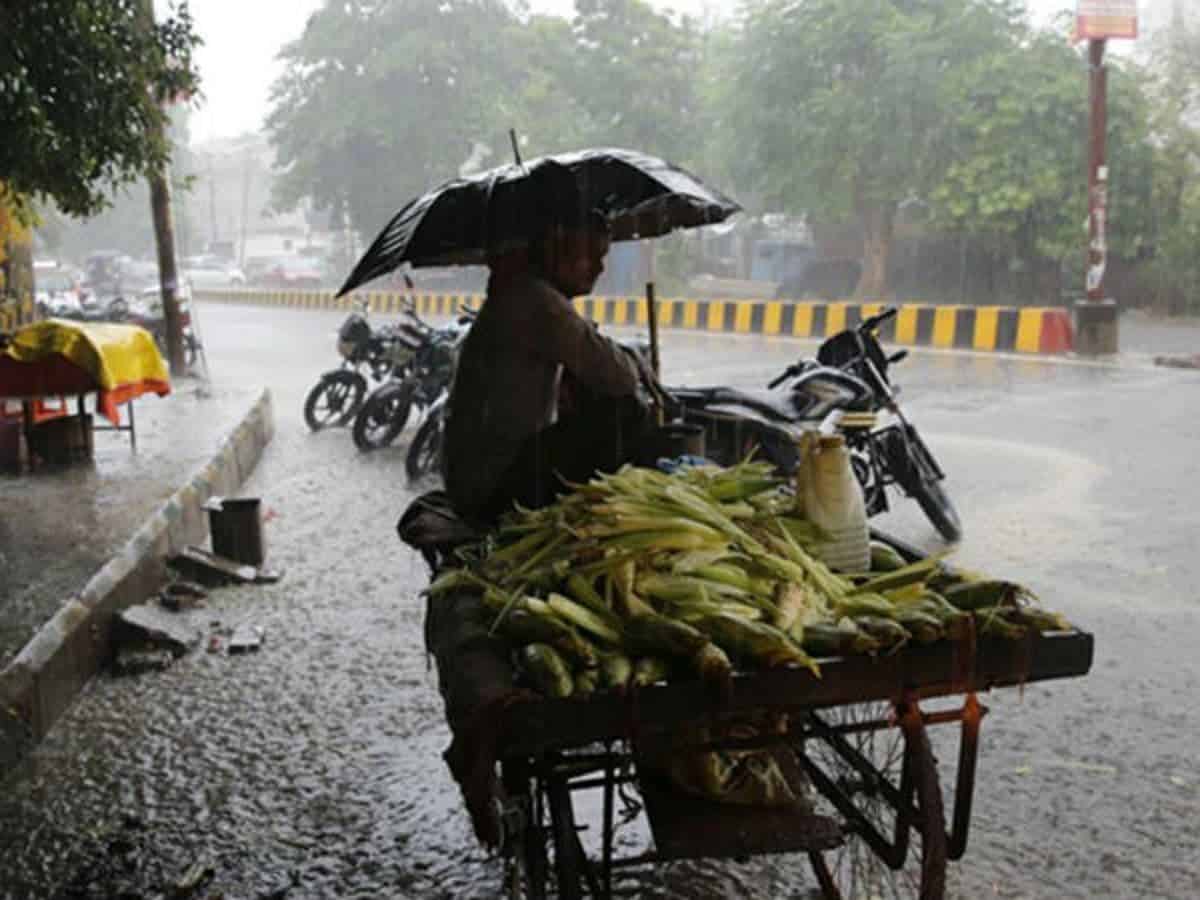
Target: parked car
213,273
58,289
294,273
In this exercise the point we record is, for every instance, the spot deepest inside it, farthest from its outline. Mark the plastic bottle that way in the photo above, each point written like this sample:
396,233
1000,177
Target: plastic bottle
832,499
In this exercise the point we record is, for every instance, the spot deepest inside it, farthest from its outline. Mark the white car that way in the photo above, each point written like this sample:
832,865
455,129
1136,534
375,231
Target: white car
208,273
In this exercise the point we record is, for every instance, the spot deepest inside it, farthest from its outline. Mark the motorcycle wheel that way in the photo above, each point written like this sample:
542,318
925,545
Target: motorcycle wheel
932,498
383,416
334,400
908,472
425,454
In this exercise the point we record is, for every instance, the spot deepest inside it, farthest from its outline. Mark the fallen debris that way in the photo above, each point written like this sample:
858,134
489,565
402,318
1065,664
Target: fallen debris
209,569
246,639
147,627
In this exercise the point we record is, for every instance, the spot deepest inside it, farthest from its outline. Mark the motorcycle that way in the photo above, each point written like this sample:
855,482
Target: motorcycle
845,390
338,394
420,383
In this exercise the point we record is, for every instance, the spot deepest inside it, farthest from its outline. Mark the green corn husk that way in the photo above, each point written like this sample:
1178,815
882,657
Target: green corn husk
889,633
886,558
1040,619
841,639
690,610
523,627
754,642
594,623
713,665
615,670
657,635
974,595
924,627
856,605
585,593
994,621
547,670
587,683
650,670
913,573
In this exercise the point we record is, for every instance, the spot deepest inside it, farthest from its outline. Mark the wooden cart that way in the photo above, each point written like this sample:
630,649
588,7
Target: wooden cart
856,736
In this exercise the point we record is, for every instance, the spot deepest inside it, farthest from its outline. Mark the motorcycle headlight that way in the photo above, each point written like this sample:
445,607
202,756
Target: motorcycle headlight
345,348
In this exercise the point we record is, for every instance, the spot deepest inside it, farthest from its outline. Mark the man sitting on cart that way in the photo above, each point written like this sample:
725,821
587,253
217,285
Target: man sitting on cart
505,439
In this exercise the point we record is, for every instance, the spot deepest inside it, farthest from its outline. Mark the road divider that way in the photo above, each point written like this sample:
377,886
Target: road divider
1006,329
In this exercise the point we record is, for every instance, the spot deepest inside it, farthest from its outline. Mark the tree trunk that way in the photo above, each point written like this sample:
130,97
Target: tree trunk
878,229
164,239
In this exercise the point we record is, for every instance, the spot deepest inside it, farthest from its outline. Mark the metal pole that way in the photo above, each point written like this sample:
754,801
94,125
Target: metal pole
1097,257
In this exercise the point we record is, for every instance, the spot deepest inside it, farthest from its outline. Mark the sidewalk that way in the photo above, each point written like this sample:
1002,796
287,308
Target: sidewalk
58,526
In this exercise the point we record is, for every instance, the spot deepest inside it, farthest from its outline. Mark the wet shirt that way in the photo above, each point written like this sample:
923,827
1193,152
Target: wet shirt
505,386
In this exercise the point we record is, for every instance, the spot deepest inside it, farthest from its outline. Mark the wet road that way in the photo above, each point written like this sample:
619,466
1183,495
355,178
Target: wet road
312,769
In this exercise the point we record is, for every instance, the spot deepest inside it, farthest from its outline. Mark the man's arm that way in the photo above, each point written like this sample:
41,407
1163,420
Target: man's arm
595,360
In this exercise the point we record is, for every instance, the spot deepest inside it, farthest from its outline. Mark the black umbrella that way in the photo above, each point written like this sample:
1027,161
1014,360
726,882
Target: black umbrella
455,223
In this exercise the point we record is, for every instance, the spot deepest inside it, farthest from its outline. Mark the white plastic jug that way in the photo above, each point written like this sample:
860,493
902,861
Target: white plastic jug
832,499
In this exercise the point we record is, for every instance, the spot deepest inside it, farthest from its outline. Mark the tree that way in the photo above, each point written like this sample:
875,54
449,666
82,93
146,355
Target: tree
82,87
848,105
381,100
1016,175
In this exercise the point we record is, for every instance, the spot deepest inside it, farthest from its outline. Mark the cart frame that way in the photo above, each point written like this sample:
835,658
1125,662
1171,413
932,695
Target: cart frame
554,748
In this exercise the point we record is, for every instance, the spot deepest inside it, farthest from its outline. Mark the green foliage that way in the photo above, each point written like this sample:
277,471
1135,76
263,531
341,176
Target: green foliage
381,101
1019,151
82,86
847,99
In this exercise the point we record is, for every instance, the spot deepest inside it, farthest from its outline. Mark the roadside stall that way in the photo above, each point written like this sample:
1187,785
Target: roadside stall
47,362
675,645
727,654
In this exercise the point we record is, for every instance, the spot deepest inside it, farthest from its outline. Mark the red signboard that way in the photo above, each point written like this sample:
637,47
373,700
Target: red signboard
1104,19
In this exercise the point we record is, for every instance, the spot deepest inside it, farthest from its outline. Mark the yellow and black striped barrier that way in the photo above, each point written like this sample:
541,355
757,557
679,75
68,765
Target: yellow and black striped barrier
1034,329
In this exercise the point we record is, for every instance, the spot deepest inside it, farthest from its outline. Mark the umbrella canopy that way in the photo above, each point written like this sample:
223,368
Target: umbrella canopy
455,223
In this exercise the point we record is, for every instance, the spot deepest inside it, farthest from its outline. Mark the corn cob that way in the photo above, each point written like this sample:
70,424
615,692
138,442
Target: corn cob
594,623
650,670
547,670
754,642
587,683
974,595
886,558
829,639
523,627
888,632
615,670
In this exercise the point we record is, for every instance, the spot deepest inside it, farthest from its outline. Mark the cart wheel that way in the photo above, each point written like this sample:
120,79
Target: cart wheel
903,858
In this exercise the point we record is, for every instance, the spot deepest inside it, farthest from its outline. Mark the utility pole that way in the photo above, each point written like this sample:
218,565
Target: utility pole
164,238
1098,21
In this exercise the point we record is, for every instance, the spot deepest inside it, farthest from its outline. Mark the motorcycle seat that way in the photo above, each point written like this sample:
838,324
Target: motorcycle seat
771,405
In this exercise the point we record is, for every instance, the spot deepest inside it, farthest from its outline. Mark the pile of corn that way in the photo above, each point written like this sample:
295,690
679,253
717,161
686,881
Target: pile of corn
641,576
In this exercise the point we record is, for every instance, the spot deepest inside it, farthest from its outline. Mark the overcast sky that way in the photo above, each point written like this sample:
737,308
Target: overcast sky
242,38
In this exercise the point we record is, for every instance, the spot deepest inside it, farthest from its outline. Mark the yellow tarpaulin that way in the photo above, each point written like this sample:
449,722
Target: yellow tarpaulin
114,355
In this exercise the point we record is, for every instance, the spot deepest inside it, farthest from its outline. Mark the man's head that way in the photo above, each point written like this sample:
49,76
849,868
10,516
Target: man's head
567,240
573,255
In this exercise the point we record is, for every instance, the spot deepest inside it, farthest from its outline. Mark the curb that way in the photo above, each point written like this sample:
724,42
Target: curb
1005,329
42,681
